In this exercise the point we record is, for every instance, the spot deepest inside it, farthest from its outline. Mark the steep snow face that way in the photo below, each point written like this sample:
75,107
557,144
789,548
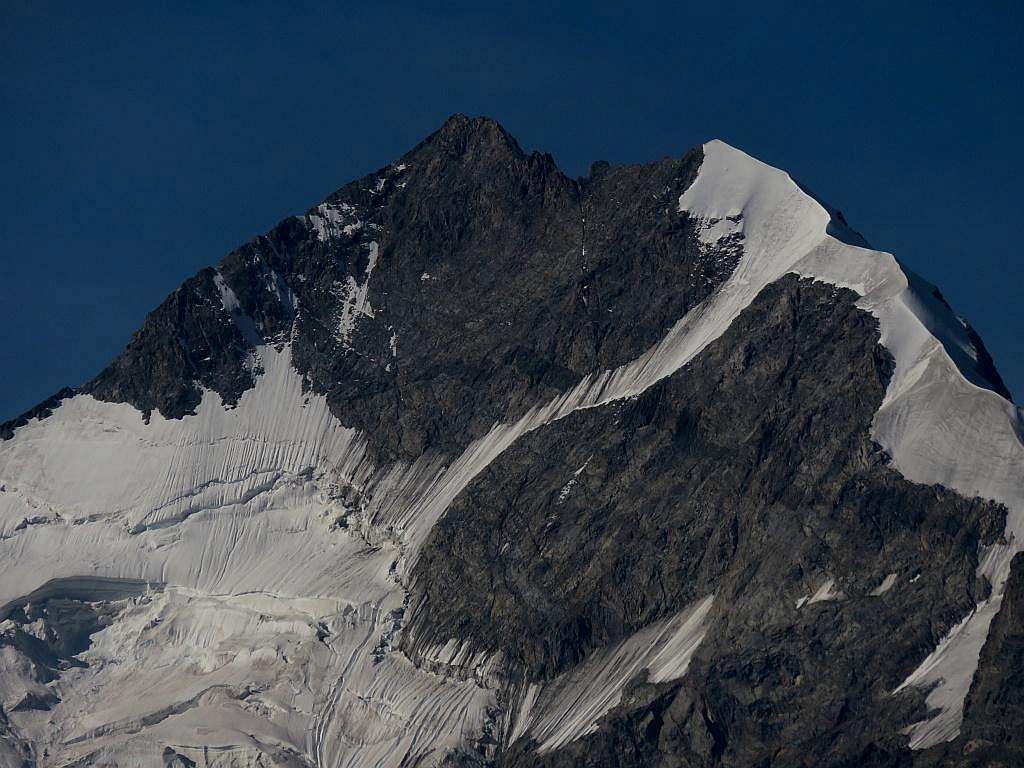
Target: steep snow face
247,616
939,421
570,706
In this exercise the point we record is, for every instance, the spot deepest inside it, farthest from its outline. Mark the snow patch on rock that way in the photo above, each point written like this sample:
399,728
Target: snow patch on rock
355,297
887,583
566,489
331,220
826,592
569,707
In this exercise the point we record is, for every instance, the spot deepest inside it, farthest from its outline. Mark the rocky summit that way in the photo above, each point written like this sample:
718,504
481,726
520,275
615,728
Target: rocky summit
476,464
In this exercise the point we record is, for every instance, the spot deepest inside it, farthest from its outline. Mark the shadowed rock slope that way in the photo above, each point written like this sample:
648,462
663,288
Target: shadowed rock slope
451,290
749,474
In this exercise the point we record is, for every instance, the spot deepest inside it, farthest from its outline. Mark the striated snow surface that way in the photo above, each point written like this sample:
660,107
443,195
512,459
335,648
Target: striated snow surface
261,626
569,707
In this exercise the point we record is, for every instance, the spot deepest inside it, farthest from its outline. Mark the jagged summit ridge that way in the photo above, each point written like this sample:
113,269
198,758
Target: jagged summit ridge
339,403
579,276
461,133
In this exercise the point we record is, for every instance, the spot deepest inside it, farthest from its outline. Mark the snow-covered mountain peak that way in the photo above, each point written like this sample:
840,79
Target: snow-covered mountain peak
478,463
787,228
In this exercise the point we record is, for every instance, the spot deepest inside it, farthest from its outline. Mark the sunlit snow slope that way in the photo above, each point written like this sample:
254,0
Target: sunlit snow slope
260,627
250,622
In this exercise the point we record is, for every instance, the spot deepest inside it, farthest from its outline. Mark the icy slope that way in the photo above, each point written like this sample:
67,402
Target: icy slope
263,627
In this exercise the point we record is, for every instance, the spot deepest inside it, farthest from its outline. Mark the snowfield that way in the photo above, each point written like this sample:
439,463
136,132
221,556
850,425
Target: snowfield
257,558
258,628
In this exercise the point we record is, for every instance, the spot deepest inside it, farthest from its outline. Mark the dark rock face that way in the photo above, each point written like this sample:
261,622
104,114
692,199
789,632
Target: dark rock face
455,288
187,341
749,474
503,282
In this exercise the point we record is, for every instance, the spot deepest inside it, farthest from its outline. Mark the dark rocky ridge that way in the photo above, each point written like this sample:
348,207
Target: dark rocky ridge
750,474
513,311
41,411
187,341
498,283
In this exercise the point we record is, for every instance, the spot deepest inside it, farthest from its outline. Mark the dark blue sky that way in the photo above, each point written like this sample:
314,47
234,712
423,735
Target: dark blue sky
141,143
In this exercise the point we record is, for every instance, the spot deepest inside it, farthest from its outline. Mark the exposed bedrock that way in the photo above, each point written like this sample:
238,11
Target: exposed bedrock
474,463
449,291
750,474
